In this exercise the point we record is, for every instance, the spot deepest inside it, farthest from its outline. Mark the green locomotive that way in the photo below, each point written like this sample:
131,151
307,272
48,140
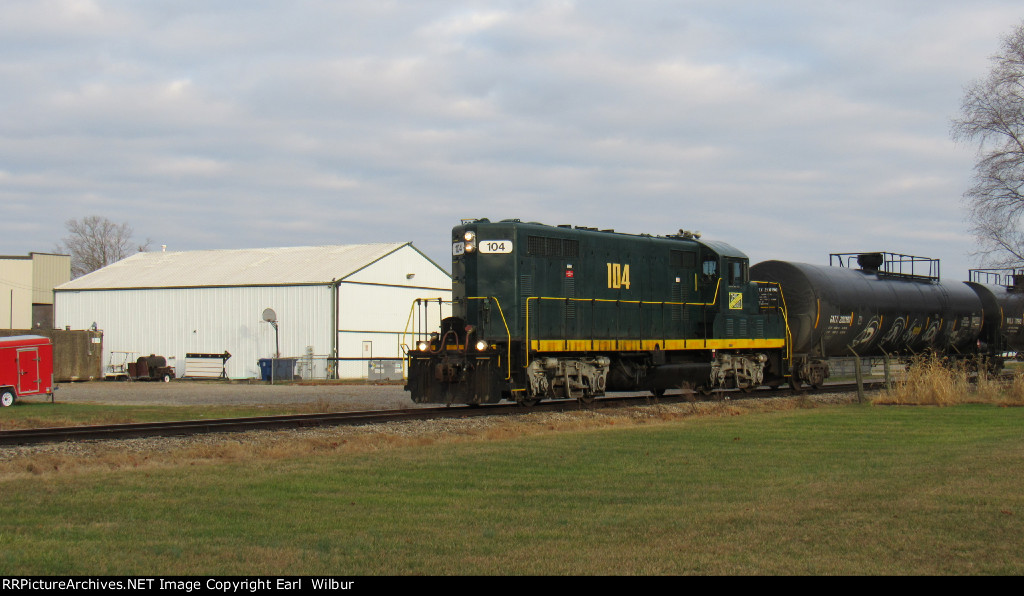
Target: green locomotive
569,312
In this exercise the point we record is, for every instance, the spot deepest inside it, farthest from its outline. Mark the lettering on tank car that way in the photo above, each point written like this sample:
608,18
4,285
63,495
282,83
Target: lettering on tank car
838,326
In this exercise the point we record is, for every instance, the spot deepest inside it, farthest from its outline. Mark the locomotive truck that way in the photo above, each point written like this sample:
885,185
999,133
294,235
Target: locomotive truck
573,312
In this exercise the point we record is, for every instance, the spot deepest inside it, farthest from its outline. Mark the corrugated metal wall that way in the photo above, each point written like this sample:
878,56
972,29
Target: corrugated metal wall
174,322
373,309
375,302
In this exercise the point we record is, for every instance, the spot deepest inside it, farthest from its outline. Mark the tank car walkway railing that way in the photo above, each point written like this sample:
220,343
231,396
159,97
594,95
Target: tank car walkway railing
890,264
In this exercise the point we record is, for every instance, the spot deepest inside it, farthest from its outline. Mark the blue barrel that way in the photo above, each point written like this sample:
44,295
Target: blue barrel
283,371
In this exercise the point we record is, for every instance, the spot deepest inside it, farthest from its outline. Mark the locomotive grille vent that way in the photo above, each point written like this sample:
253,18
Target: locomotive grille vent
569,291
543,246
760,328
677,296
525,291
729,327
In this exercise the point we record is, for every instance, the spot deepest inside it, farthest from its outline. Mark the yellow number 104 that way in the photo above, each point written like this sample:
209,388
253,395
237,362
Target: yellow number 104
618,276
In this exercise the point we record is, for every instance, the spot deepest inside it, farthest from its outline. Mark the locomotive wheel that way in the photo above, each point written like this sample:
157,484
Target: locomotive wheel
529,403
744,385
795,385
7,398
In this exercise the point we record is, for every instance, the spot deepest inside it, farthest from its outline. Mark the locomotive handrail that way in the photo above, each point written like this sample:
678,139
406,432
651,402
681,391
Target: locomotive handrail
411,318
785,320
508,333
526,339
501,311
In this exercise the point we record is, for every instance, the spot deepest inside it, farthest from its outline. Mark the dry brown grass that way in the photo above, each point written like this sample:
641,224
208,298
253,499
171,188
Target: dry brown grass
938,382
176,452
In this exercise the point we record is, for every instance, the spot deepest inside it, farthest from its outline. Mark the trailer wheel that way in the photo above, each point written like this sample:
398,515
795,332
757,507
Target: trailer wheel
166,378
7,397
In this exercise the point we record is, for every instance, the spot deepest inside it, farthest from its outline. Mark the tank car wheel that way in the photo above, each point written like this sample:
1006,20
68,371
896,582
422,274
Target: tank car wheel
704,390
658,392
7,398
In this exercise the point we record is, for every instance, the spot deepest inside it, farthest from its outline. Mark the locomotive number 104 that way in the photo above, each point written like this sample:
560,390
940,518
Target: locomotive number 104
618,276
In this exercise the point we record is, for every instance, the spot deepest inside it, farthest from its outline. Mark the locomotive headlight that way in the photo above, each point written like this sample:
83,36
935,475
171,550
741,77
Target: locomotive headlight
481,345
422,346
470,247
469,236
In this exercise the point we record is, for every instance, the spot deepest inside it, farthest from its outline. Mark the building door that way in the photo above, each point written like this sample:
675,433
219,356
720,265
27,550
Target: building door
367,349
28,371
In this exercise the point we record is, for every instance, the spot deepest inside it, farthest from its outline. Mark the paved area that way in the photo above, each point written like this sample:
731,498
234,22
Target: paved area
186,392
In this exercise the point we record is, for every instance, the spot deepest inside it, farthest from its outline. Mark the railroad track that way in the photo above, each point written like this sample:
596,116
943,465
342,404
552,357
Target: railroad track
294,421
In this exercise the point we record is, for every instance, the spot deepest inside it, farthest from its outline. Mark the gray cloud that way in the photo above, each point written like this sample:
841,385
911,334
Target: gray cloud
789,129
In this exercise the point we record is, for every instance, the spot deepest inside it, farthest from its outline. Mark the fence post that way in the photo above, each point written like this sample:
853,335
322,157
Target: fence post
860,376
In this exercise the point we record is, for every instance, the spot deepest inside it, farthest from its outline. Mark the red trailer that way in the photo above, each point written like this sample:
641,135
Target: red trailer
26,367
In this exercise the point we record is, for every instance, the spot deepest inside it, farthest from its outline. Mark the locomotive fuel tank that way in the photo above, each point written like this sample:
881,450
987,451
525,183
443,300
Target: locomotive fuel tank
871,311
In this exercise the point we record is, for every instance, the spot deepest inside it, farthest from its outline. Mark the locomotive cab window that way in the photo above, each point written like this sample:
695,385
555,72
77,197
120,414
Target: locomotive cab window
737,273
710,267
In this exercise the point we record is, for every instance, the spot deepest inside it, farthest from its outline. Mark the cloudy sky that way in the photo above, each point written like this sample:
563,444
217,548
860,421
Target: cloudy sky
789,129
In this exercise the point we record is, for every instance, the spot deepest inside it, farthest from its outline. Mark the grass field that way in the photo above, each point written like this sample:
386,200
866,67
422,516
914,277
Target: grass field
828,490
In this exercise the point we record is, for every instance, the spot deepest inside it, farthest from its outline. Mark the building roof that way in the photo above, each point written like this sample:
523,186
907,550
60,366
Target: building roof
248,267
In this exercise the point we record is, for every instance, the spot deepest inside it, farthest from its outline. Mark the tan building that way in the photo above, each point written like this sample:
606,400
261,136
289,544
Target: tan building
26,289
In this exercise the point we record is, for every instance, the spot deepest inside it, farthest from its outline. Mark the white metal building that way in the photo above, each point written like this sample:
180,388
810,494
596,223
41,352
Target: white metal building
331,301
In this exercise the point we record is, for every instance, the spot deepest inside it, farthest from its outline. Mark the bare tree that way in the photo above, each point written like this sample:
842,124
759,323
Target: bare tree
94,242
992,115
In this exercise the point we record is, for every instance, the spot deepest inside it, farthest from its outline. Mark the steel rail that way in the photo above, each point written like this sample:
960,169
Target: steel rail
299,421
